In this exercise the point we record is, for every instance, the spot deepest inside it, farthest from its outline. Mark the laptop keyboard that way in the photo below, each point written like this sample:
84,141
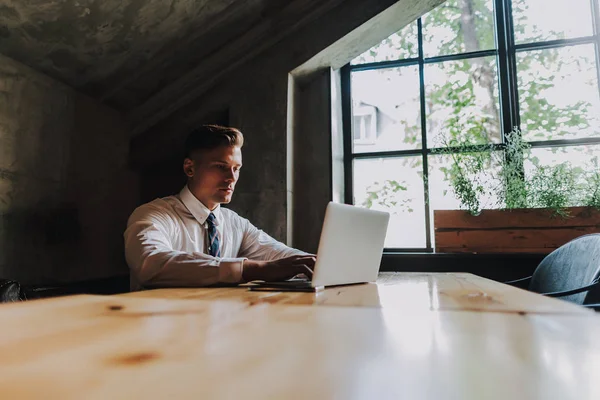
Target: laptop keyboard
296,283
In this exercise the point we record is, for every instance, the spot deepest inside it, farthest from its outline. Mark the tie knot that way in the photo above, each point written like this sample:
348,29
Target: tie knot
211,219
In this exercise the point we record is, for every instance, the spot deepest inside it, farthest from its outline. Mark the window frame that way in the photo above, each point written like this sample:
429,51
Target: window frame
506,57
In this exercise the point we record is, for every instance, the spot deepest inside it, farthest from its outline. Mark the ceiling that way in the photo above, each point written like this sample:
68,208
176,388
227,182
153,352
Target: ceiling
124,52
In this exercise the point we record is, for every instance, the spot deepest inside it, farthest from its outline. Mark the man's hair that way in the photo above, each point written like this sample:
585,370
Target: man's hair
208,137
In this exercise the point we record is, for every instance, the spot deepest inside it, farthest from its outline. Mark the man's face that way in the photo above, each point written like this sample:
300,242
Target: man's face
212,174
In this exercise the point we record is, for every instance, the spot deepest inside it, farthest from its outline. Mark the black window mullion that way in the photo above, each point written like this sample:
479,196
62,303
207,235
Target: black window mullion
554,44
507,56
595,16
468,149
566,142
347,128
384,64
512,67
502,60
512,83
387,154
460,56
417,61
595,5
424,135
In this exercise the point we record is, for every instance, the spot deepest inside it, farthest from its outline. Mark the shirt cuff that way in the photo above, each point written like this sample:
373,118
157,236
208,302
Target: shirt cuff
230,270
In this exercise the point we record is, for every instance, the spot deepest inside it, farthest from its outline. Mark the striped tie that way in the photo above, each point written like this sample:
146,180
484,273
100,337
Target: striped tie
213,237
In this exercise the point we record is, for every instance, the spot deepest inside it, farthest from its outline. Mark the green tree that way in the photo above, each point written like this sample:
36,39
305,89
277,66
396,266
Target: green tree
467,26
387,195
465,107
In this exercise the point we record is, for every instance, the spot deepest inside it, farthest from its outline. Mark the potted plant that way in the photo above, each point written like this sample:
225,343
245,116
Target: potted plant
511,202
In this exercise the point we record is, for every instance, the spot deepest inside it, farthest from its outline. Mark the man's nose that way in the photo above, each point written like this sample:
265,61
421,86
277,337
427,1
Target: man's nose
230,175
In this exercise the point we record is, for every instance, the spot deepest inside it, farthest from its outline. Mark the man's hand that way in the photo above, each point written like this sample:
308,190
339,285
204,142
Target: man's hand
278,270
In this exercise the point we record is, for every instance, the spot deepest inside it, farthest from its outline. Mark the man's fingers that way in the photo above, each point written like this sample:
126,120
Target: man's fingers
307,259
305,269
301,257
310,263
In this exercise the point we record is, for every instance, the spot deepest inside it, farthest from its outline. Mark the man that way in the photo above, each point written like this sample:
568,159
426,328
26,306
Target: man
189,240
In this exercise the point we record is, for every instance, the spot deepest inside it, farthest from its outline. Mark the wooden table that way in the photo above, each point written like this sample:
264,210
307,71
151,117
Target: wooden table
401,291
159,345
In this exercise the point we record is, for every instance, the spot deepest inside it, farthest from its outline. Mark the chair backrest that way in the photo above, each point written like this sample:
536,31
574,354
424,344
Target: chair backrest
10,291
573,265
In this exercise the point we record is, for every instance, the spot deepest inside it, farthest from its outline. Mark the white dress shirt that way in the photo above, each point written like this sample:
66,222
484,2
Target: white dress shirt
166,244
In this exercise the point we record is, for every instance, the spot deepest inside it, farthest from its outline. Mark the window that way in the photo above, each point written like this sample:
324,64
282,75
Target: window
469,71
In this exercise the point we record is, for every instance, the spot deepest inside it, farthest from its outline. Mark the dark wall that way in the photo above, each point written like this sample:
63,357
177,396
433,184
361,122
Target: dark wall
160,179
158,158
65,189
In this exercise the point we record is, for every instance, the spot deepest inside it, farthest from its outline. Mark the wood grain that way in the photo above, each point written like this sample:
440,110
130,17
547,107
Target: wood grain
123,347
517,218
510,240
513,231
401,291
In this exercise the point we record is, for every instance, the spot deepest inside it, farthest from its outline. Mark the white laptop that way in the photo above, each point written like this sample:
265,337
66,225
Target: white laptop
350,249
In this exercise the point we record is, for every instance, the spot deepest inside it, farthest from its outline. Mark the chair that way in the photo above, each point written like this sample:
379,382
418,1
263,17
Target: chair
571,272
11,291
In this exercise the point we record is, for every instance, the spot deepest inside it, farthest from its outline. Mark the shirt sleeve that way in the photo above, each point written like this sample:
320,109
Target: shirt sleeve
153,261
257,245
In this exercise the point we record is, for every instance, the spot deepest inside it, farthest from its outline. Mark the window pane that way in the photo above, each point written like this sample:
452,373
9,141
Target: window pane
462,102
459,26
441,195
575,183
394,185
577,156
402,44
558,93
541,20
386,109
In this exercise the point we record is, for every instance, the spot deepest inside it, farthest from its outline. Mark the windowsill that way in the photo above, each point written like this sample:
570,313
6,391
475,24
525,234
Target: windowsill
499,266
424,254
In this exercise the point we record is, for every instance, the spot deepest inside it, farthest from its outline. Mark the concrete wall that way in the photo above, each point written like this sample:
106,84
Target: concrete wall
65,192
286,180
310,163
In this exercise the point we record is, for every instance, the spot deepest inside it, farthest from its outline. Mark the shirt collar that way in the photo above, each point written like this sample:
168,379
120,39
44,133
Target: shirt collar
195,206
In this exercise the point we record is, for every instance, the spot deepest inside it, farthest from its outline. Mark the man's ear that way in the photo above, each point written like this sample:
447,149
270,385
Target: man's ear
188,167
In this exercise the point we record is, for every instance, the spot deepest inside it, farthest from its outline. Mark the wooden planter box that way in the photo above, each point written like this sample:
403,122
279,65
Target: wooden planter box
510,231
